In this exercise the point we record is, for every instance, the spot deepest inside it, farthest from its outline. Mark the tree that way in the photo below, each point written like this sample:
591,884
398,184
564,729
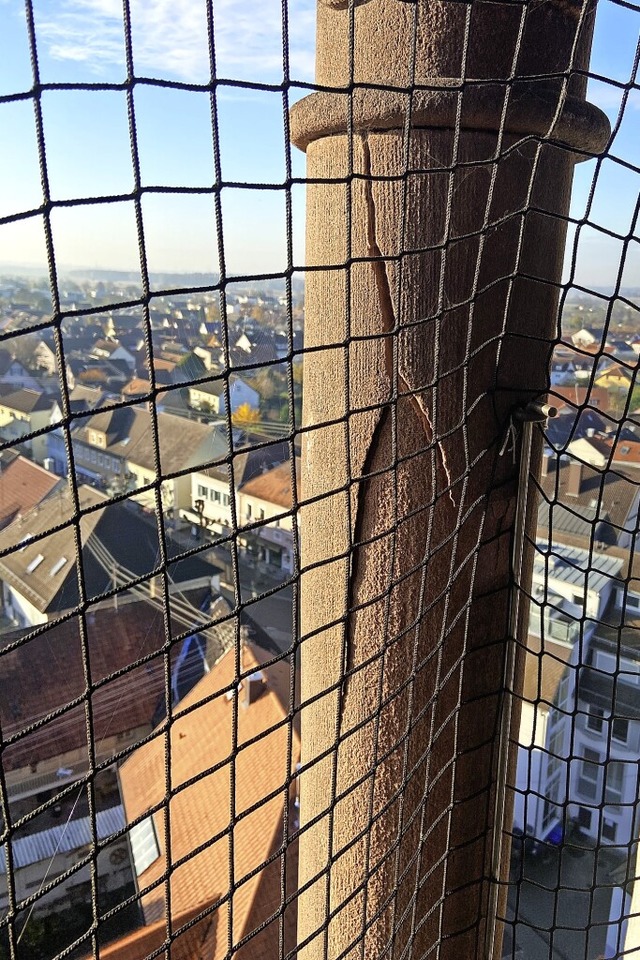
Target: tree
245,416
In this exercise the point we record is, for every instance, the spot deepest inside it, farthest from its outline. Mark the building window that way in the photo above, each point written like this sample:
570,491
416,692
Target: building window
556,741
144,845
584,818
589,775
202,491
629,671
605,662
615,781
225,500
563,691
261,514
595,720
217,497
552,813
248,511
609,829
620,730
632,602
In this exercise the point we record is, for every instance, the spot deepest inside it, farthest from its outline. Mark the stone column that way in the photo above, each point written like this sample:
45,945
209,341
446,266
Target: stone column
434,227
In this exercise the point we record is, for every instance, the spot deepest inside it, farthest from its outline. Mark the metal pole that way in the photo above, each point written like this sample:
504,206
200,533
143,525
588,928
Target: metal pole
441,176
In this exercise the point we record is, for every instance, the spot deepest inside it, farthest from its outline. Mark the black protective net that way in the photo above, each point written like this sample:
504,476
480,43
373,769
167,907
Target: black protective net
232,628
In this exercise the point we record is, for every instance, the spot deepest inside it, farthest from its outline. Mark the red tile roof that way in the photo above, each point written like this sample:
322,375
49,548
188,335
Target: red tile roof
136,387
274,486
22,485
201,744
622,451
45,673
194,943
576,396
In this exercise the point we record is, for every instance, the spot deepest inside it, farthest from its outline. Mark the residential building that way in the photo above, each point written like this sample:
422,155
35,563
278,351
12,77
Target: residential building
570,590
215,489
136,389
265,505
13,374
587,520
579,397
82,399
614,376
44,358
580,732
211,395
116,449
46,754
39,569
583,338
572,424
221,754
22,412
192,936
595,722
609,452
38,859
579,502
106,349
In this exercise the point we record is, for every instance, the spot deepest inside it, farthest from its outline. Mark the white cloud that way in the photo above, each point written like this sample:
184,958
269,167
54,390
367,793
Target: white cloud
170,37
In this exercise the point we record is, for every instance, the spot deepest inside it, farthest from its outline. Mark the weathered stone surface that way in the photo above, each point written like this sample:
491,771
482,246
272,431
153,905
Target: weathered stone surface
407,537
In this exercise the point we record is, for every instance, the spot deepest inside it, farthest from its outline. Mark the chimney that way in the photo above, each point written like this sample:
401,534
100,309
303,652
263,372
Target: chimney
253,685
574,482
252,688
546,463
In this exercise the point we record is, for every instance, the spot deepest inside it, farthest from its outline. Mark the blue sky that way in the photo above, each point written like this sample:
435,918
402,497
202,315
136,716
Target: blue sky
88,141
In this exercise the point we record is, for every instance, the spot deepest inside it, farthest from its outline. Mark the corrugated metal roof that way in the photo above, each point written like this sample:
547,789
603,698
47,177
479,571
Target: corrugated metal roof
571,564
557,516
63,838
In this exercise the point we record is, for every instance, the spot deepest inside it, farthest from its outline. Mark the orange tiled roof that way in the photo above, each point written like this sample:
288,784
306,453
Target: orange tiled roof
136,386
23,484
193,944
274,486
623,451
579,397
201,745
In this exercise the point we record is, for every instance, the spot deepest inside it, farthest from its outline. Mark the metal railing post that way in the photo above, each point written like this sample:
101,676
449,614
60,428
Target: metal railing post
440,178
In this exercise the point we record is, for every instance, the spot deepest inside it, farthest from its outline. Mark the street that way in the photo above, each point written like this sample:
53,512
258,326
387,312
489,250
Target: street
558,906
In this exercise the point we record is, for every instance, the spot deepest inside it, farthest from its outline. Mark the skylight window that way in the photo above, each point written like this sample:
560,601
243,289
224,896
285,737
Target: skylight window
57,567
144,845
35,563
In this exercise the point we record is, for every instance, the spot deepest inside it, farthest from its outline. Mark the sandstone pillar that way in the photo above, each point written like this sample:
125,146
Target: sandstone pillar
435,234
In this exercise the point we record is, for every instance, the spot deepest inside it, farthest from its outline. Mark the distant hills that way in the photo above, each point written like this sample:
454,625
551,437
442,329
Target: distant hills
158,280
